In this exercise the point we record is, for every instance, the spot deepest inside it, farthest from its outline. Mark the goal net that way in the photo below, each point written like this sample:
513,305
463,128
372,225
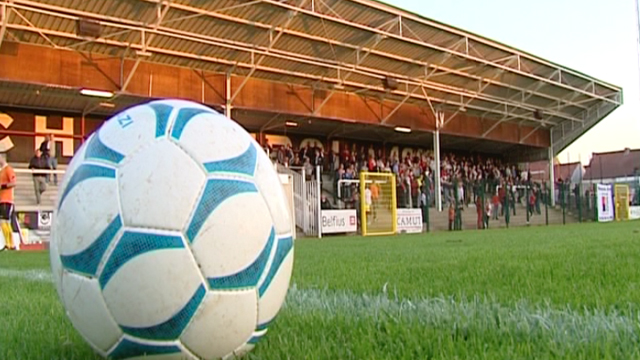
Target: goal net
378,203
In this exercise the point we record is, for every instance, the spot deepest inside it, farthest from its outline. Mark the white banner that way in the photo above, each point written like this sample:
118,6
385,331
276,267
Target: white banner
409,220
605,203
634,212
44,220
339,221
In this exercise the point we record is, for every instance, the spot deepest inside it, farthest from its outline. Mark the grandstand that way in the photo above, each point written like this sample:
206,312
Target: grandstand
344,74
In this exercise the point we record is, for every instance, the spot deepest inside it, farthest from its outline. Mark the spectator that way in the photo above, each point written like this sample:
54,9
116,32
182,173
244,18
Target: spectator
325,204
48,149
38,162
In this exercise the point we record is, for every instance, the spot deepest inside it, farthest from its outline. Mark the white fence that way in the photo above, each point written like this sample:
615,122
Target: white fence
306,199
306,194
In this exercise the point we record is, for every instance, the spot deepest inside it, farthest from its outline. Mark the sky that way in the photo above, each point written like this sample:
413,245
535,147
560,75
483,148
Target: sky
596,37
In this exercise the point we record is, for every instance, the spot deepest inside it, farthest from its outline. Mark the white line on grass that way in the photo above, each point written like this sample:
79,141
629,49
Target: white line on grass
563,325
30,275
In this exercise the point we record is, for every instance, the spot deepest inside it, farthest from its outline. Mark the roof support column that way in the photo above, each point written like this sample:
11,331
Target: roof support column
436,154
4,15
228,106
552,176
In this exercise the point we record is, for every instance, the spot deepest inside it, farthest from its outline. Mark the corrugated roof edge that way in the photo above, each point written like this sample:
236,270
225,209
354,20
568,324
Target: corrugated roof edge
486,39
615,152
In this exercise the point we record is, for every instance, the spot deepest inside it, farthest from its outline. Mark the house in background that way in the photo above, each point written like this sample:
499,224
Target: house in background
618,167
621,167
567,172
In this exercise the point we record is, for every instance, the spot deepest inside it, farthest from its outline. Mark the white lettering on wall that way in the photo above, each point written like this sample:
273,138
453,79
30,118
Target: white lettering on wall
66,131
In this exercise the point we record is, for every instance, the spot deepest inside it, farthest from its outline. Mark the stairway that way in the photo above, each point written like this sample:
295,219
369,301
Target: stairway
24,193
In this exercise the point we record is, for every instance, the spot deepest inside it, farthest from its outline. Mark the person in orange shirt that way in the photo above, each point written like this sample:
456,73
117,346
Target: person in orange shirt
375,194
452,216
7,183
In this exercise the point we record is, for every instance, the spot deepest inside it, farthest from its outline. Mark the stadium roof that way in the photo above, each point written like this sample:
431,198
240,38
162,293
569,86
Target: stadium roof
357,46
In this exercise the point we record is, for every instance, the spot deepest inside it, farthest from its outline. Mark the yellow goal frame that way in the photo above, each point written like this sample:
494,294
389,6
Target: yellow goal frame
386,178
621,201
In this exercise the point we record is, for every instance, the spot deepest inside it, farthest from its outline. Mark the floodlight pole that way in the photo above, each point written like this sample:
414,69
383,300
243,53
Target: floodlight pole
436,154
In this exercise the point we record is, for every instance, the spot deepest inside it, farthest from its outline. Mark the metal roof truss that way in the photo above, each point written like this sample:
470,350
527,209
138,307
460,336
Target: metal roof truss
350,45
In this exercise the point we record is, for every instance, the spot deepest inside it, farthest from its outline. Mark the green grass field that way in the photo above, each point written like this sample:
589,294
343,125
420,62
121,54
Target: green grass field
566,292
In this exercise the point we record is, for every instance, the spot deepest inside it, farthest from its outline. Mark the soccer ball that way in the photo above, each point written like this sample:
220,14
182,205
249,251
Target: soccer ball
172,237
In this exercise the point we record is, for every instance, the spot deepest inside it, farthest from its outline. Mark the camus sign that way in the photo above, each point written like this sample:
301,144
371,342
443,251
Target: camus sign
409,221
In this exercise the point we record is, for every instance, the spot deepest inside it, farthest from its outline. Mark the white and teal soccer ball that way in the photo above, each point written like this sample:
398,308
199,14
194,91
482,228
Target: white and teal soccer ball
172,237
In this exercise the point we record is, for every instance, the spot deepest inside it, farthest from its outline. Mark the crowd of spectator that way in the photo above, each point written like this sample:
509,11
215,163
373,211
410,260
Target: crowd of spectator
492,186
415,171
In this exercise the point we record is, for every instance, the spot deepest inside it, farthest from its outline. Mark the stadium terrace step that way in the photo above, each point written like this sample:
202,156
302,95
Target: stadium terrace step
24,194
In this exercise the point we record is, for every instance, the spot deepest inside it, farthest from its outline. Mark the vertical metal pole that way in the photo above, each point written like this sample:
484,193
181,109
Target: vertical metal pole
3,28
426,214
552,178
82,129
457,222
563,189
436,154
546,209
580,202
595,202
426,188
507,215
227,96
526,200
202,77
318,205
305,203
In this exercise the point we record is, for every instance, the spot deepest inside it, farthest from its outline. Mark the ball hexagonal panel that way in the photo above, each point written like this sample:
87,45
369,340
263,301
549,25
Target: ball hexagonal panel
157,185
273,289
132,349
88,312
224,321
87,219
151,284
230,246
128,131
76,161
241,351
215,141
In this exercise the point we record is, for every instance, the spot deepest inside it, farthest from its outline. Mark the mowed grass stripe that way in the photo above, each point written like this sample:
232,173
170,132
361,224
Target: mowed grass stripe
582,265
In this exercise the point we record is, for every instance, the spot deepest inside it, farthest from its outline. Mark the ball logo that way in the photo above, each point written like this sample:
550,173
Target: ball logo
125,120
